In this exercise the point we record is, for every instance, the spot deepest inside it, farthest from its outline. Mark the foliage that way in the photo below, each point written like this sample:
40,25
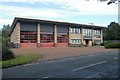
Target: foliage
112,32
20,60
110,1
5,35
104,43
0,32
94,44
7,54
112,45
5,30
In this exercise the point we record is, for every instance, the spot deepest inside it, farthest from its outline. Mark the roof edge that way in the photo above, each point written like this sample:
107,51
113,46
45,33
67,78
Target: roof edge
16,19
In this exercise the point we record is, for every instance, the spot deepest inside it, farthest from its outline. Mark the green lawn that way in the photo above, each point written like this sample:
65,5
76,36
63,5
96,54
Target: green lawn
19,60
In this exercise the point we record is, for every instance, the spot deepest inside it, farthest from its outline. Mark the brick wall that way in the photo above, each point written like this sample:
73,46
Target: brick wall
15,35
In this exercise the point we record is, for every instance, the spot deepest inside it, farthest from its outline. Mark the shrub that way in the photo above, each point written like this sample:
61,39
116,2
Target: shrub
94,44
7,54
104,43
113,45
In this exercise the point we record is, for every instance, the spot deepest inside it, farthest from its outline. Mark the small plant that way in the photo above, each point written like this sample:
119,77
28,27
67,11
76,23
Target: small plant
102,44
94,44
7,54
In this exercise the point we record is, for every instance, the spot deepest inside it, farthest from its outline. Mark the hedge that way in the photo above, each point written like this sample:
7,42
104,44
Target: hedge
113,45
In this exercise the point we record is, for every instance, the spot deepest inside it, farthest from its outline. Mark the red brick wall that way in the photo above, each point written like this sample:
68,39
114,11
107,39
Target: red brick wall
62,45
46,44
28,45
42,45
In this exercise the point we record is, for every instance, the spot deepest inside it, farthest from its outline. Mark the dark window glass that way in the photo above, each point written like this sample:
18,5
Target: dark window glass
62,37
46,37
28,37
75,30
87,32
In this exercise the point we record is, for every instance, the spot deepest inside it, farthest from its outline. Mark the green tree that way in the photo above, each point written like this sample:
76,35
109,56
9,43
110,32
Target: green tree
5,36
112,32
6,52
105,34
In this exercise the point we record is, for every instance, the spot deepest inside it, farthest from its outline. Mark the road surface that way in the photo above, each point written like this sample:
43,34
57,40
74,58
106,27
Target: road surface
99,65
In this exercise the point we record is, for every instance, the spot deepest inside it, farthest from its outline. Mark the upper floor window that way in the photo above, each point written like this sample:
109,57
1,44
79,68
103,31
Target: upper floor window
96,32
75,30
87,32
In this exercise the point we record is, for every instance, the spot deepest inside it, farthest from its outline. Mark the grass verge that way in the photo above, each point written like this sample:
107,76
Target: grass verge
19,60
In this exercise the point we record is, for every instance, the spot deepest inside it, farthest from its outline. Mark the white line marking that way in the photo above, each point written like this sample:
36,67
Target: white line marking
27,64
117,58
37,63
45,77
50,61
89,65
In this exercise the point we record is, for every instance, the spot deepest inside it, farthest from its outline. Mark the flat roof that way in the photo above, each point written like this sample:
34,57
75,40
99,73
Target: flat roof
18,19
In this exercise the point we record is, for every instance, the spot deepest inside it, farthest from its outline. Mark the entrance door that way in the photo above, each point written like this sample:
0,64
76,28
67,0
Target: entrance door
87,42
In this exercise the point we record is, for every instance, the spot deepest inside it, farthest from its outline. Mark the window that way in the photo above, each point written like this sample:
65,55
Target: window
96,32
87,32
46,37
97,41
76,41
75,30
28,37
62,37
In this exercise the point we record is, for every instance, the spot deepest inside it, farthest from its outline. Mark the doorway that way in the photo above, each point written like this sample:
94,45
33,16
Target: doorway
87,42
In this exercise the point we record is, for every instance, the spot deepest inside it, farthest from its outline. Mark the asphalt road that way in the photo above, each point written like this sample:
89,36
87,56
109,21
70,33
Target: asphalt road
99,65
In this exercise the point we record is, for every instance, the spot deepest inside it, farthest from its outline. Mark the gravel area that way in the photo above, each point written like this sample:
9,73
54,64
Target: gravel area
53,53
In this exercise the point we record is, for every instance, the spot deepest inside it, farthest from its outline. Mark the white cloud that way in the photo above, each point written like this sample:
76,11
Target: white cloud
70,7
30,12
93,7
5,22
82,6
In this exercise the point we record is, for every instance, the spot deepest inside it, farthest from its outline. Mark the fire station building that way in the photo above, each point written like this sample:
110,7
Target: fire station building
34,33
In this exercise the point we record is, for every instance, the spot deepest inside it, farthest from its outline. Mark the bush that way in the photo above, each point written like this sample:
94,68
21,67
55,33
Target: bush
7,54
94,44
113,45
104,43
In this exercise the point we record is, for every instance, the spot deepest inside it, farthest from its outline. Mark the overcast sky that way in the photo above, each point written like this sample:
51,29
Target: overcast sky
76,11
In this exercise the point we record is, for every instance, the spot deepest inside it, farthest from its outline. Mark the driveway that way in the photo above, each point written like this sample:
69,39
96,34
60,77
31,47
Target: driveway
98,65
54,53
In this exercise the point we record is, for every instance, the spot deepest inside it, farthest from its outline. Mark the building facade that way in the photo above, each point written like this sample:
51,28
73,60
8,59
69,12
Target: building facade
34,33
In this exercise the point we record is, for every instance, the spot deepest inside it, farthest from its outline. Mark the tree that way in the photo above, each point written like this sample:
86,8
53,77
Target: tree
108,2
6,52
112,32
5,32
